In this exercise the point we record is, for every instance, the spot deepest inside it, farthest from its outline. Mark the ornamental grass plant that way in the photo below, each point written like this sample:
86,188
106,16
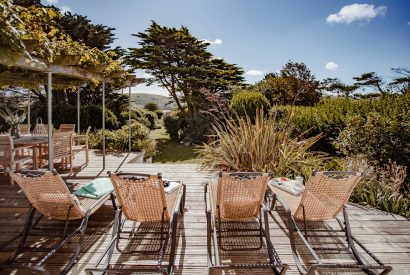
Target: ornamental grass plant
240,144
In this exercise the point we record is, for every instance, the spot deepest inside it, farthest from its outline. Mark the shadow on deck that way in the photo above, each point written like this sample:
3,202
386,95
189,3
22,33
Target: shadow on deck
386,235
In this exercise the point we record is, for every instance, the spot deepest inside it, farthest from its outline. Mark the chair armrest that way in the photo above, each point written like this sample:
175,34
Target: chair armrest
80,136
99,202
208,207
178,202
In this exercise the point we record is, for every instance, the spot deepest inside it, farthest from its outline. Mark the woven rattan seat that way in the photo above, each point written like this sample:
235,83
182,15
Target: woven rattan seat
238,198
49,196
142,199
324,198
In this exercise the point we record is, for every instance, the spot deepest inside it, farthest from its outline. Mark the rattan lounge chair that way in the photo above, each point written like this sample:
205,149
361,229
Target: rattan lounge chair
48,194
324,198
142,199
238,197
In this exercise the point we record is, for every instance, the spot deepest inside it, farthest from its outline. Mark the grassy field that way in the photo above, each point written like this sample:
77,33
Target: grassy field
171,152
140,99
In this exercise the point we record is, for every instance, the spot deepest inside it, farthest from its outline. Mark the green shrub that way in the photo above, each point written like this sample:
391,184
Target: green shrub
151,106
201,130
377,138
172,125
248,102
159,113
330,116
136,115
117,140
152,118
266,145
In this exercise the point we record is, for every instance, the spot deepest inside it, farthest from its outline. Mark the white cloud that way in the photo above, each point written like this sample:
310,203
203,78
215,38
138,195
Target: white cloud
254,73
147,75
65,8
408,23
215,42
52,2
332,66
356,12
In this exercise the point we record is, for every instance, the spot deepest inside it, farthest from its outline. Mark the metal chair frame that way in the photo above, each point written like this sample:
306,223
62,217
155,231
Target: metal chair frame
65,236
295,231
215,233
168,230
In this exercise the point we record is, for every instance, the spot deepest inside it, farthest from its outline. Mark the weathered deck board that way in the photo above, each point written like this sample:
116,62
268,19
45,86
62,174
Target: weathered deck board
388,236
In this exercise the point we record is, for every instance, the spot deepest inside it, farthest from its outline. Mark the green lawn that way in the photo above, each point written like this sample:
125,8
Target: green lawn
169,151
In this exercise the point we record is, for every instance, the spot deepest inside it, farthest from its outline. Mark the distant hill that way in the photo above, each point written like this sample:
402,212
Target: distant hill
140,99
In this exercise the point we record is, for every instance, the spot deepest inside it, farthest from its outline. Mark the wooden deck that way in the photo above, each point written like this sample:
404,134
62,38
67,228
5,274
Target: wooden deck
387,236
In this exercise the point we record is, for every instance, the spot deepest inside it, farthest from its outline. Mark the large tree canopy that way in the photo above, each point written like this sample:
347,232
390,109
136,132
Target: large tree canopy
294,85
334,85
81,29
180,63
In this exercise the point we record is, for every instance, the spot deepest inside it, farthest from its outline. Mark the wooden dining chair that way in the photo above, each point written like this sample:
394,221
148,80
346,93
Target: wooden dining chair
23,129
67,128
62,149
8,157
80,143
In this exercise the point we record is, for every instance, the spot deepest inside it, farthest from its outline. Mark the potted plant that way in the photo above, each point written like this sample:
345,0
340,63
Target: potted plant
13,119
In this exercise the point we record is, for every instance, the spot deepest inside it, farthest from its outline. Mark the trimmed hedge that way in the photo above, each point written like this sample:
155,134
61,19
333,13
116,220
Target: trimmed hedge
245,103
333,115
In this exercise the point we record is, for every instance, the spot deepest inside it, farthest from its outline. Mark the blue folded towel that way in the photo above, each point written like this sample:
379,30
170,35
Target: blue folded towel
96,189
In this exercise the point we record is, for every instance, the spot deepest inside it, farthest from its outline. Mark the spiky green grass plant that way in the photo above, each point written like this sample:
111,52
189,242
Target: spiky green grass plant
265,145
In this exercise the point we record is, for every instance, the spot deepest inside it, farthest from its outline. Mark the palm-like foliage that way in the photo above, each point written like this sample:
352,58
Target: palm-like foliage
265,145
12,118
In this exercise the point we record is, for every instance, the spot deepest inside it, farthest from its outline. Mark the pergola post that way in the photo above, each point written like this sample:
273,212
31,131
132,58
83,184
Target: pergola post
29,109
129,119
103,123
50,120
78,110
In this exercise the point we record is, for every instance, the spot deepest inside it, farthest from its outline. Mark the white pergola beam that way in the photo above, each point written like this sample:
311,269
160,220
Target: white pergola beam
40,65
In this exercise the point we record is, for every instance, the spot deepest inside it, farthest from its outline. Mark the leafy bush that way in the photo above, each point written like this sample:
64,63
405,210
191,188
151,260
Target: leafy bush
159,113
381,187
330,116
151,106
377,138
245,103
136,115
242,145
152,118
171,124
117,140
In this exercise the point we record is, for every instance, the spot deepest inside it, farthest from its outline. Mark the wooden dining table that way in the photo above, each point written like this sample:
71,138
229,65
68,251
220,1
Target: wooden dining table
36,142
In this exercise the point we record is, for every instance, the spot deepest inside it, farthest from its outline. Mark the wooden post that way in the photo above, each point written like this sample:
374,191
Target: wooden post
78,110
50,120
29,109
103,123
129,119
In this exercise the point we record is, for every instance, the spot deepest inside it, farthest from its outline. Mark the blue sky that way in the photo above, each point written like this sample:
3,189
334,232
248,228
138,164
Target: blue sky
333,38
